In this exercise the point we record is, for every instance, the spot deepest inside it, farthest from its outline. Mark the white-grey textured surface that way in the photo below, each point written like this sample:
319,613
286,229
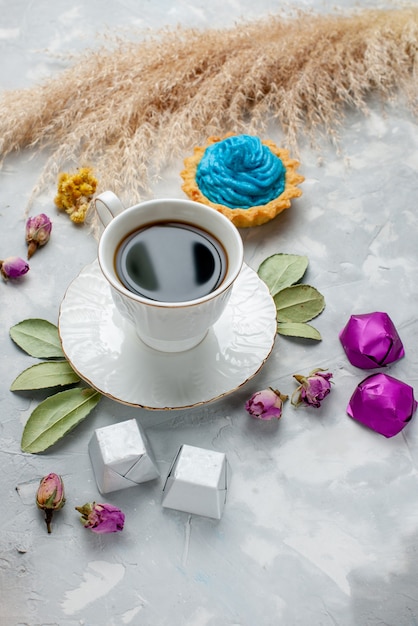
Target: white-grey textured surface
321,523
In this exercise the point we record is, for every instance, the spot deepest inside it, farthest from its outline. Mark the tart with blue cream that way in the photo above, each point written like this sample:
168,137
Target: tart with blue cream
249,180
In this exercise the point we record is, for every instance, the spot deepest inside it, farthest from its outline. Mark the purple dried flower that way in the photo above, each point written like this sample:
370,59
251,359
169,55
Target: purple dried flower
13,267
266,404
38,231
312,389
101,518
371,340
50,496
382,403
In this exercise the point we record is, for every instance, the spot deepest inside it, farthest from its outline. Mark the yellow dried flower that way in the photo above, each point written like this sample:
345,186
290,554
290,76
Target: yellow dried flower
79,216
75,192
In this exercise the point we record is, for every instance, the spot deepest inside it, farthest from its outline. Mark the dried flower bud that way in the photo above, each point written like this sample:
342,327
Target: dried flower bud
75,192
50,496
38,231
101,518
312,389
266,404
382,403
13,267
371,340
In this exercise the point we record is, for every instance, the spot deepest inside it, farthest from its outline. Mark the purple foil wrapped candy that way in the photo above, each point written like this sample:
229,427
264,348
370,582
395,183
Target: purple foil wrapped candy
371,340
382,403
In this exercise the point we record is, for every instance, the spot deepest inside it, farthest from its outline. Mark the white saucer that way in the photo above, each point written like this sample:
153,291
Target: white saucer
105,351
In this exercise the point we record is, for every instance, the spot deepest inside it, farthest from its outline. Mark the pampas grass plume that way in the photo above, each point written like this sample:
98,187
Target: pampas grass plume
127,108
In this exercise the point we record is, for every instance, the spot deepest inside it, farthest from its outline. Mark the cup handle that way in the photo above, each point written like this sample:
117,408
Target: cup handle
107,206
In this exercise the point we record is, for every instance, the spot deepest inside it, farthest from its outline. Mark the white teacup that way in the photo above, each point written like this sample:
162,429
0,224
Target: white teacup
168,326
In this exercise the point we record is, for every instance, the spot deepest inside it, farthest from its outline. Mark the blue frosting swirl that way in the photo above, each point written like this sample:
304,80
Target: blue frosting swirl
240,172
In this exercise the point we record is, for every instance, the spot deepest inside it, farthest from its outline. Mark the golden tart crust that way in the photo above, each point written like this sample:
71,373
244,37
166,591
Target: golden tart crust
256,215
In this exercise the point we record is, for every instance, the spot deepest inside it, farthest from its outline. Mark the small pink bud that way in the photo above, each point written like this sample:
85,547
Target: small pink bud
101,518
266,404
312,389
38,231
13,267
50,496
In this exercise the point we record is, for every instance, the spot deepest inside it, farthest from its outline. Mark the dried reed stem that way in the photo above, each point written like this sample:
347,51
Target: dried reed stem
127,108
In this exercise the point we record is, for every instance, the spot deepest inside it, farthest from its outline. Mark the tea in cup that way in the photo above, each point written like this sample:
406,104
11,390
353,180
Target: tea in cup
171,265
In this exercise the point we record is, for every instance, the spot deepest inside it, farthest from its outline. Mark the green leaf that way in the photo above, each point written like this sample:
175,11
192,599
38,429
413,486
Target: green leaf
298,303
296,329
282,270
56,416
45,375
38,338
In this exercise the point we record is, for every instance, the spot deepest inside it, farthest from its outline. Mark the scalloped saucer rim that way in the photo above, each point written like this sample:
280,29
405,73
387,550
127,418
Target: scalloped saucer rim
105,351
